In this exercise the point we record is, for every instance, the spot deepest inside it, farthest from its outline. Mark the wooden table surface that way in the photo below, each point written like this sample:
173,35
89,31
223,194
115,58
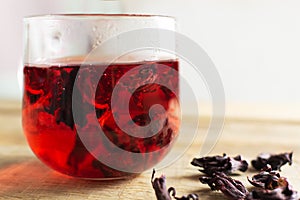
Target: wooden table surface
23,176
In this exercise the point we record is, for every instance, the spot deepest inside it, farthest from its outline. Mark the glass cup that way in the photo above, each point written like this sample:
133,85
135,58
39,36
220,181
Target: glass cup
92,107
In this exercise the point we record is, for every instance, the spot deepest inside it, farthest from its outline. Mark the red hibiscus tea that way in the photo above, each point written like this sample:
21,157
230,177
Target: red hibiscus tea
51,130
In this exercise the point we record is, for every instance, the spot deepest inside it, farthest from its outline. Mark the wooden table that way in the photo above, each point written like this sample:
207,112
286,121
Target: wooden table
23,176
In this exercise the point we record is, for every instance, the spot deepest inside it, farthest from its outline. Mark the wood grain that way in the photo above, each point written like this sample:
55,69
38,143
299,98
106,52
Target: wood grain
23,176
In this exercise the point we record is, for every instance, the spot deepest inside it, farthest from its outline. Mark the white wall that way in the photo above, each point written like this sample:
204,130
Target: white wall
11,15
255,44
11,45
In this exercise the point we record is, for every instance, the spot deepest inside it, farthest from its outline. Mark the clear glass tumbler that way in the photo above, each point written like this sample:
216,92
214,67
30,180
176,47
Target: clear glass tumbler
84,98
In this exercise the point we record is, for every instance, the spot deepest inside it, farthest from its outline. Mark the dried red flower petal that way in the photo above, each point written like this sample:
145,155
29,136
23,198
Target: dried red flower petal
225,164
284,192
172,191
266,179
233,189
162,193
273,186
275,160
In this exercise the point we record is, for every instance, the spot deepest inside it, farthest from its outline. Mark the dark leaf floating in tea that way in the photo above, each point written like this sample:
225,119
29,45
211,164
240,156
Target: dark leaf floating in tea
225,164
275,160
233,189
162,193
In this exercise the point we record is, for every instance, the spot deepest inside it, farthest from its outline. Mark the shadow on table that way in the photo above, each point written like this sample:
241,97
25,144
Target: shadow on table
29,178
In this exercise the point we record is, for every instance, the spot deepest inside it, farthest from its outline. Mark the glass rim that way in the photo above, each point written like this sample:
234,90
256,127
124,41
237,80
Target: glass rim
83,16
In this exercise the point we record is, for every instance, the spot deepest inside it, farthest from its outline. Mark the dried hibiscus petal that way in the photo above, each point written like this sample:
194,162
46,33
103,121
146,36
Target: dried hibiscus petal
225,164
162,193
233,189
284,192
267,179
273,186
172,191
275,160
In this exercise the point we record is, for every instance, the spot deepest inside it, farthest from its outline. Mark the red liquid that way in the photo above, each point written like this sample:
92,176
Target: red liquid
49,124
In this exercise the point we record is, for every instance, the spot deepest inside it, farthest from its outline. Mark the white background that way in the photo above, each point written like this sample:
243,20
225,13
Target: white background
255,44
